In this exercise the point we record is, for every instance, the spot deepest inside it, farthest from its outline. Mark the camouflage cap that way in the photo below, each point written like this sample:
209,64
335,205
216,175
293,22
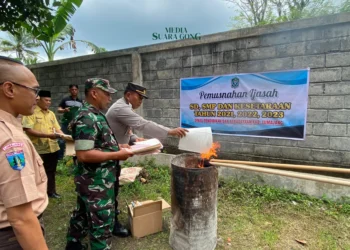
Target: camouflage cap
99,83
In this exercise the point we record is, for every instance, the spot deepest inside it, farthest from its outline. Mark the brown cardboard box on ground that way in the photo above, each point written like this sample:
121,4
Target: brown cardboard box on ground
146,219
165,205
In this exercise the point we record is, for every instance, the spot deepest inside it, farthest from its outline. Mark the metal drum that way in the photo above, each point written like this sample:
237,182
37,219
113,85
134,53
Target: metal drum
193,204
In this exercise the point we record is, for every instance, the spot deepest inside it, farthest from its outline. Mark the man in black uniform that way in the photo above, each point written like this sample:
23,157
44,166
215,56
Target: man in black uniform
68,107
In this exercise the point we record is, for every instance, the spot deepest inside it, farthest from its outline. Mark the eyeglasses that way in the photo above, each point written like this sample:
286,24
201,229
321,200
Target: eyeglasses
35,89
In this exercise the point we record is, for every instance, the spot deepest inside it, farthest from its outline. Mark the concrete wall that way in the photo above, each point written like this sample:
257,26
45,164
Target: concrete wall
323,44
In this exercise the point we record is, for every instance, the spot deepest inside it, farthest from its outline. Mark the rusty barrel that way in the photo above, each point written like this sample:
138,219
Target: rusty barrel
193,204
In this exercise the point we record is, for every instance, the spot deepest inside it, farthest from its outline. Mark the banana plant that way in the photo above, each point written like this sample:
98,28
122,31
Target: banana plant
54,37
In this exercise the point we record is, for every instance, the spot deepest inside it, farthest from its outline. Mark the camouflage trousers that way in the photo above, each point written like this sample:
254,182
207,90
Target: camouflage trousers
94,213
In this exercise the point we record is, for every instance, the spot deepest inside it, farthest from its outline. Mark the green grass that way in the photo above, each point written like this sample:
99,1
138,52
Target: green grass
249,216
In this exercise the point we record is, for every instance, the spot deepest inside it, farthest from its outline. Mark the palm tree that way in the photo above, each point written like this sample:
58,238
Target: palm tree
31,60
20,44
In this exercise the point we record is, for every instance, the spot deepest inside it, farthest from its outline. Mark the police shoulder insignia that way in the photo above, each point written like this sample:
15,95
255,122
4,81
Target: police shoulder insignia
15,156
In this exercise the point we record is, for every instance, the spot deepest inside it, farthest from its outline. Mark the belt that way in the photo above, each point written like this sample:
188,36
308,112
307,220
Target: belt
10,228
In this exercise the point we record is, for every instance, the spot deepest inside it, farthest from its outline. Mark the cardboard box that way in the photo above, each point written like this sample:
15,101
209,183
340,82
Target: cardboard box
146,219
165,205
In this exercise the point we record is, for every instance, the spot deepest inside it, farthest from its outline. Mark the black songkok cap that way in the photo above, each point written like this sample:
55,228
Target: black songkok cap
44,93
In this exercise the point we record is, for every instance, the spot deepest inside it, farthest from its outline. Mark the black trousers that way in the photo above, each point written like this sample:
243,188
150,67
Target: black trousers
50,164
62,142
8,240
116,190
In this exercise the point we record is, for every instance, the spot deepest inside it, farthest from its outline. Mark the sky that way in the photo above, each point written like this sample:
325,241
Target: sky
120,24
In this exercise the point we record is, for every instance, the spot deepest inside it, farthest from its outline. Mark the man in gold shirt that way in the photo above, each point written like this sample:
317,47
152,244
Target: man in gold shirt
42,128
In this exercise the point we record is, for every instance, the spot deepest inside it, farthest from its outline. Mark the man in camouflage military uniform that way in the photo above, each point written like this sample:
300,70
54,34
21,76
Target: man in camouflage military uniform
98,154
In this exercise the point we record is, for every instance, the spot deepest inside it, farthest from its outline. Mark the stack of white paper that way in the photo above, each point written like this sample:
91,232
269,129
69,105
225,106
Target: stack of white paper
197,140
150,142
147,147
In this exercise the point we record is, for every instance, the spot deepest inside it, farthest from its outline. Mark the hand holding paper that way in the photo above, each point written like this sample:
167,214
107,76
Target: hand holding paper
179,132
65,137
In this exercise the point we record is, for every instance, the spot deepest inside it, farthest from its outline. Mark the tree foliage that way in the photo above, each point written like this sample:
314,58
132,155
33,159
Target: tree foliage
20,44
31,60
59,34
58,42
345,6
261,12
50,30
65,9
15,13
255,12
42,18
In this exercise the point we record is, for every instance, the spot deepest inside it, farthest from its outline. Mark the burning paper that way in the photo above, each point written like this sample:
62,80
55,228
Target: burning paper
209,154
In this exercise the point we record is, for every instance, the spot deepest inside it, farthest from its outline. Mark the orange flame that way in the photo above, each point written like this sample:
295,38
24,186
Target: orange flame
209,154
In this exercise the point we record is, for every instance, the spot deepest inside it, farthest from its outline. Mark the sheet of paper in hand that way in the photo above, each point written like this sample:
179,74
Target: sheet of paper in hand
150,146
65,137
70,148
197,140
